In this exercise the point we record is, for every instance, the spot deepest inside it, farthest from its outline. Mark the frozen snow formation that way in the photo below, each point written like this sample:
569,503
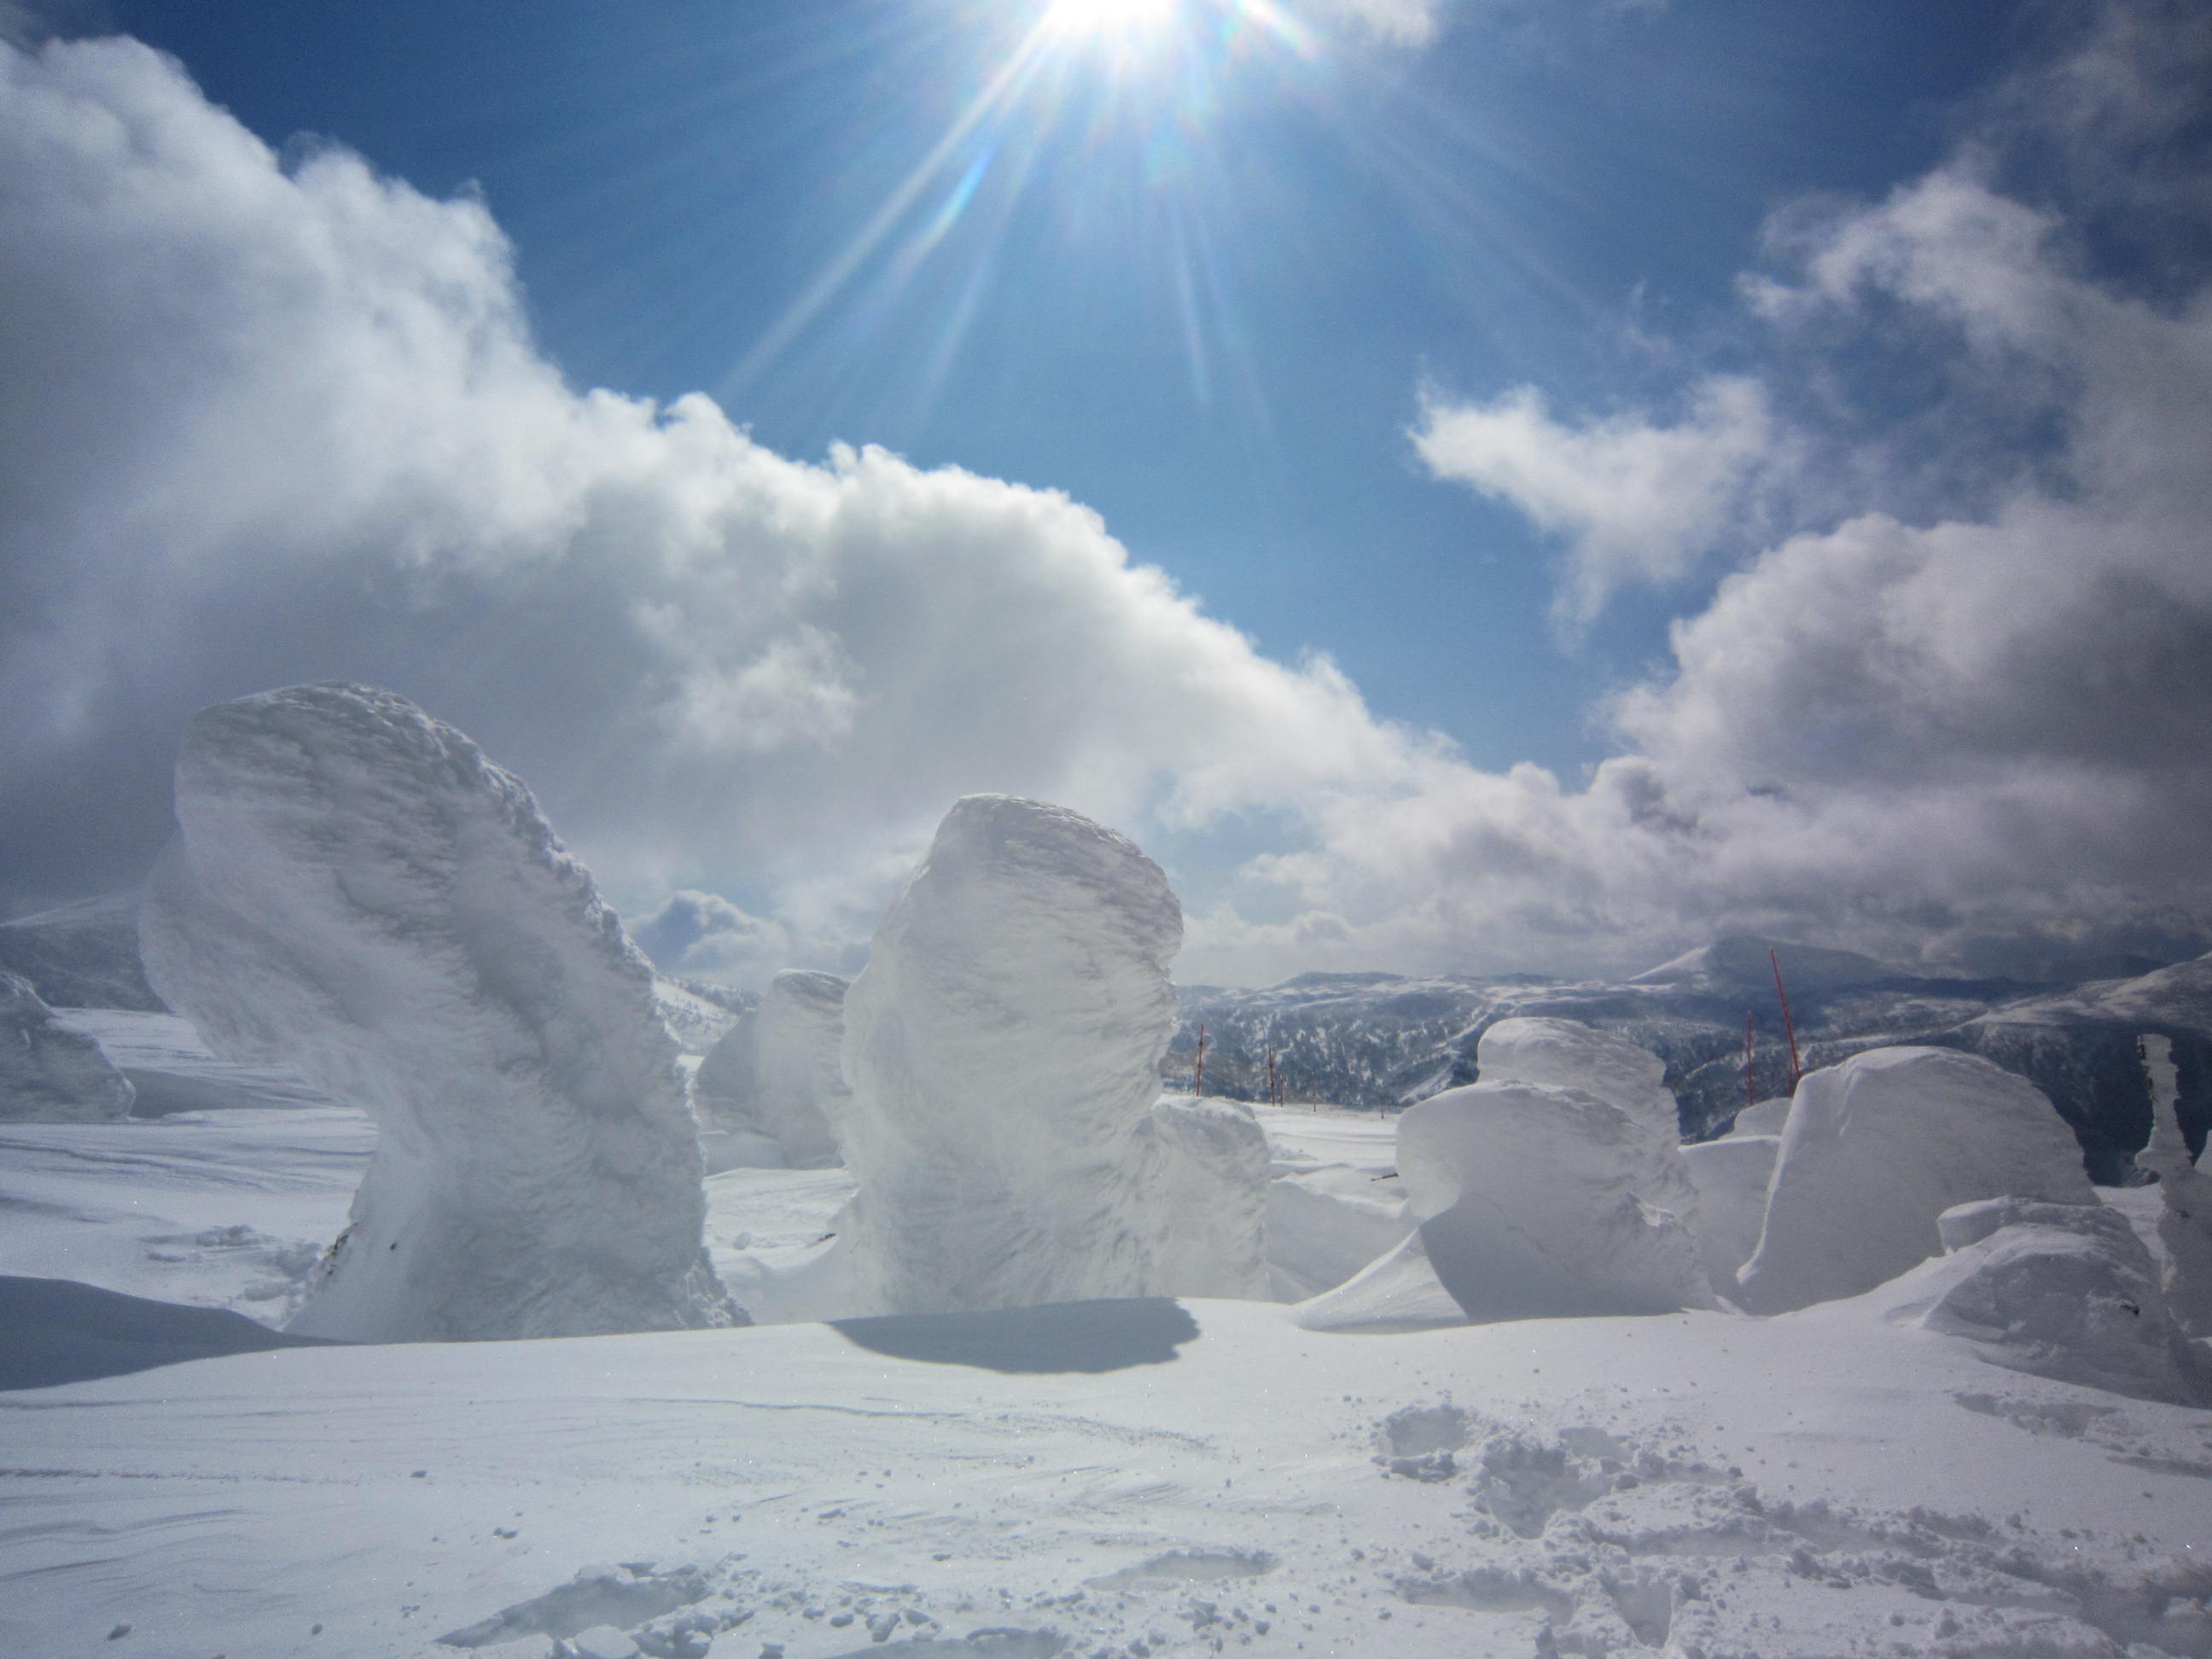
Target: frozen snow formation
49,1074
1565,1053
773,1071
1731,1176
1003,1047
1325,1226
1399,1291
1539,1196
2184,1189
356,892
2063,1290
1877,1148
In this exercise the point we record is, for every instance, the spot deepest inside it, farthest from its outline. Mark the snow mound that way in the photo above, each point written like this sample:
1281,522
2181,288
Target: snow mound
356,892
774,1070
1325,1225
1531,1206
1880,1147
2185,1190
48,1072
1731,1176
1565,1054
1399,1291
1003,1047
2063,1290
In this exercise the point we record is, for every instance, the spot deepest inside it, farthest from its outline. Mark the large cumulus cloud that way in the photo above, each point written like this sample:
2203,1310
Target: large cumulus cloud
270,422
264,422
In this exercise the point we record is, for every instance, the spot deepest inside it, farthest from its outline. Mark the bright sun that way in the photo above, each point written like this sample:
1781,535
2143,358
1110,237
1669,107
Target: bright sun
1096,17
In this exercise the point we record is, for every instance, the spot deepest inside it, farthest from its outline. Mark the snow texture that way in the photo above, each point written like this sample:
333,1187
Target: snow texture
1003,1047
1731,1176
2185,1219
1565,1054
1325,1226
356,890
1532,1197
48,1072
2063,1290
1880,1147
1399,1291
778,1066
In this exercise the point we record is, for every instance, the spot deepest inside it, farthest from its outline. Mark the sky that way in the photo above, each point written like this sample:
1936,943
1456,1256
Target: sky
1468,485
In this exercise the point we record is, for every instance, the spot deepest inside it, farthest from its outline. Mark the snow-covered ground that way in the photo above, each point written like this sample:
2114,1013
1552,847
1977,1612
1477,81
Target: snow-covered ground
1136,1477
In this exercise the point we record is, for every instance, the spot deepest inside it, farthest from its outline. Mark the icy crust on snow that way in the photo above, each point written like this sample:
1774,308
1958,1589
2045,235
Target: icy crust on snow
356,892
1530,1205
48,1072
773,1073
1880,1147
2063,1290
1003,1047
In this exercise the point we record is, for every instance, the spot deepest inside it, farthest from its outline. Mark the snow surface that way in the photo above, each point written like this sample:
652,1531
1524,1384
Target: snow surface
1117,1476
1731,1176
355,892
1136,1477
776,1067
1877,1148
1003,1049
50,1073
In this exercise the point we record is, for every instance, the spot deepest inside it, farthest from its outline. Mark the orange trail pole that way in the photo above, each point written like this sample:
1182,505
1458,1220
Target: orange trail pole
1198,1080
1750,1098
1796,1070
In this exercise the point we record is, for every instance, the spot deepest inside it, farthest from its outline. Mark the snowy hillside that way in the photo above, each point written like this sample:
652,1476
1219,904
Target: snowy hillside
1382,1040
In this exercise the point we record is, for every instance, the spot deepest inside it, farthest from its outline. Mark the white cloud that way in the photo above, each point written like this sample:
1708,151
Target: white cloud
272,426
266,426
1635,501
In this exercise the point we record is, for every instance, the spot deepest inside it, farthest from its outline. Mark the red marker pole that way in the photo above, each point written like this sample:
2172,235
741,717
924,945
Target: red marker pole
1796,1070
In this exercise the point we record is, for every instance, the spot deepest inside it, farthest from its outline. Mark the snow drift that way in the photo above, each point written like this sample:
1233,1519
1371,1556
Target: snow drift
356,892
1003,1047
1548,1199
2063,1290
49,1074
773,1071
1877,1148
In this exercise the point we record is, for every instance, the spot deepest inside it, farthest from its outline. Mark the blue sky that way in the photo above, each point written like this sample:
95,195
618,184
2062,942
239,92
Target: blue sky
1205,316
1532,386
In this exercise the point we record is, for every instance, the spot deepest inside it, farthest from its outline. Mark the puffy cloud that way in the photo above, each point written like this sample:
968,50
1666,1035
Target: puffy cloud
705,934
271,423
267,424
1634,500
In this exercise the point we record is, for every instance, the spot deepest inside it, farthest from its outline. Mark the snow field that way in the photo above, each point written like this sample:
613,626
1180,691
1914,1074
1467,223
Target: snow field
1821,1483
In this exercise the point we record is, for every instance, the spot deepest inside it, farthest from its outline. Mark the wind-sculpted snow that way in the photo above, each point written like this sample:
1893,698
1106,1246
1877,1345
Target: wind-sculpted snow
1877,1148
1002,1046
1731,1176
2064,1291
1565,1054
776,1067
2185,1190
1538,1200
355,892
48,1072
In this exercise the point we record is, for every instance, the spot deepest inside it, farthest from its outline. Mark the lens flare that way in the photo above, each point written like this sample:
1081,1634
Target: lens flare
1079,18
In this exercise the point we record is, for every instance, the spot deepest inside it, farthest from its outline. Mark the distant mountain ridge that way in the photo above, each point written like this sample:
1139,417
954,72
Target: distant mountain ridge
1384,1041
